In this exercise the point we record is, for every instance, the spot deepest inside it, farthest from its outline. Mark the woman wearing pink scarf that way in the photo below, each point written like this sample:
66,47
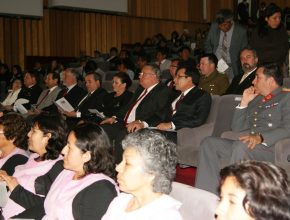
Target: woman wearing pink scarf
84,190
30,182
13,142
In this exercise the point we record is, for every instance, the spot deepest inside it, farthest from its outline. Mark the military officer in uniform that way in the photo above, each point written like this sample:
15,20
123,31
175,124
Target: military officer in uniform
211,80
261,119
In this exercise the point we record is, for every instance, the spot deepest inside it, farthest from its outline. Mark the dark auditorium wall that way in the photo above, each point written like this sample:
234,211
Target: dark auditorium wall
70,33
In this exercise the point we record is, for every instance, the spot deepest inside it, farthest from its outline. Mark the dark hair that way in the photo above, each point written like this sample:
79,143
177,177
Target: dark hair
266,187
211,58
97,76
224,15
162,50
56,126
114,49
91,137
251,49
263,27
55,76
91,66
32,74
190,72
15,127
18,68
185,48
273,70
144,57
124,78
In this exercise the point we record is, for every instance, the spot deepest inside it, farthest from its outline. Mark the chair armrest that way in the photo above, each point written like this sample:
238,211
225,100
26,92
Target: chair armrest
188,141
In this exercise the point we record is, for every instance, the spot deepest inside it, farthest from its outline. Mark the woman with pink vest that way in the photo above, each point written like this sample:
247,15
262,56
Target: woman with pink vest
84,189
13,142
30,182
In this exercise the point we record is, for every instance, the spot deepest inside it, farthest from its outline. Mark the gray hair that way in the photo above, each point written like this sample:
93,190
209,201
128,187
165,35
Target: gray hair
159,156
74,72
224,15
155,69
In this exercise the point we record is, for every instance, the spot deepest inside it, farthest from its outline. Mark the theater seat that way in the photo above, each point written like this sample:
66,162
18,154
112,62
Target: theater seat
196,203
188,139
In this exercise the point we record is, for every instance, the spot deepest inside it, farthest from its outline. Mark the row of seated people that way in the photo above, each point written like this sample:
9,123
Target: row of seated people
69,175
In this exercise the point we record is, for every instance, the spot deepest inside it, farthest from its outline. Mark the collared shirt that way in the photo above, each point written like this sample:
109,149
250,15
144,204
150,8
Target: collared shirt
52,88
218,52
79,114
70,87
132,116
246,75
174,103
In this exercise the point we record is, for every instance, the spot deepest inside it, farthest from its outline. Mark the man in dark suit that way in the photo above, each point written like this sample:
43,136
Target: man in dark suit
190,108
92,100
72,92
226,39
244,80
32,90
147,108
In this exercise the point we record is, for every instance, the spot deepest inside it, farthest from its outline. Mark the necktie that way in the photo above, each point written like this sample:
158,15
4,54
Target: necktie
133,105
83,101
171,84
177,104
43,98
225,47
65,90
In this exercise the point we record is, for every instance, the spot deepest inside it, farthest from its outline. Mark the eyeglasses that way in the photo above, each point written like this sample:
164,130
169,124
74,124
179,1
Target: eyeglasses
178,77
145,74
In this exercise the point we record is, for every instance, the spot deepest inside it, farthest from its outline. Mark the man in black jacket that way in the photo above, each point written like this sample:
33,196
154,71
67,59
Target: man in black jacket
190,108
244,80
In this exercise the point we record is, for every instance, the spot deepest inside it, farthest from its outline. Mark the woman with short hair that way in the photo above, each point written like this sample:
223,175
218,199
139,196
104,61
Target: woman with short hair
13,142
145,176
254,190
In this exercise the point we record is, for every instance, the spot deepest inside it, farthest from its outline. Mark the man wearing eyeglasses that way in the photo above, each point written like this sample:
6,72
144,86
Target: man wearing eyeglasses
147,108
190,108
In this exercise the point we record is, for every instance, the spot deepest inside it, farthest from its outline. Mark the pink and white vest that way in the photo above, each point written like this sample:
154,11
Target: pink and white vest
14,152
58,202
26,175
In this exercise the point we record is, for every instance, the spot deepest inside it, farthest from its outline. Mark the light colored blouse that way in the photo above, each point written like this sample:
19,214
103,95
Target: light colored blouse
164,207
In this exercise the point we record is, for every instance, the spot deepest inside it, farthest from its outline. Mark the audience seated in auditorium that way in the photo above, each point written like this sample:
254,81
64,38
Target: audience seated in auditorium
94,99
92,66
161,59
30,182
13,142
185,59
147,108
124,65
49,95
31,89
142,60
5,77
145,175
226,39
113,58
120,97
190,108
253,190
7,104
85,188
260,121
211,80
72,92
249,60
270,38
172,70
16,74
